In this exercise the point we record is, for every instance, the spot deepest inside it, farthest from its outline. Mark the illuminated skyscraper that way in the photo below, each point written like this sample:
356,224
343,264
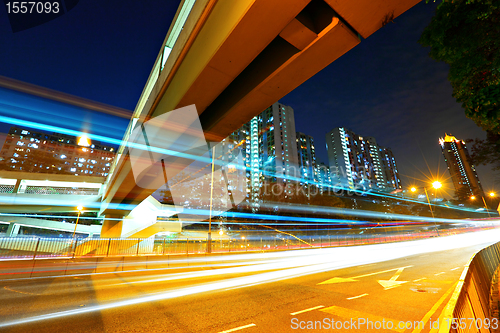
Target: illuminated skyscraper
307,158
462,171
273,147
358,162
269,149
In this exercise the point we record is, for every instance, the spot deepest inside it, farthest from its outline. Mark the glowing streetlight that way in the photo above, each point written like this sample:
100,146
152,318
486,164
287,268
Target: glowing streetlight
437,184
84,141
492,194
413,189
79,208
221,232
473,197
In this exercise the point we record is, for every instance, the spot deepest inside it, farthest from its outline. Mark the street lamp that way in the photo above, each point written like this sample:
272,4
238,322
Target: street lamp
79,208
84,141
436,185
473,197
209,239
491,194
485,205
413,189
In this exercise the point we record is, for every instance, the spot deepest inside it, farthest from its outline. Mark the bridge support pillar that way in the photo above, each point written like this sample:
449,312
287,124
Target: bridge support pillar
112,226
13,230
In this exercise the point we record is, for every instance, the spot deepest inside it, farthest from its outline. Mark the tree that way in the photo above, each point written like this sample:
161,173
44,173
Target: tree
466,35
486,151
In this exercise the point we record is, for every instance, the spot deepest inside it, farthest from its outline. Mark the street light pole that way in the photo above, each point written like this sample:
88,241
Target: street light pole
427,196
80,208
209,240
486,206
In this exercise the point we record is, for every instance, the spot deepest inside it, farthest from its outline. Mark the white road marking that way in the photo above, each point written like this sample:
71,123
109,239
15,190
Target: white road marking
353,279
392,283
306,310
349,298
238,328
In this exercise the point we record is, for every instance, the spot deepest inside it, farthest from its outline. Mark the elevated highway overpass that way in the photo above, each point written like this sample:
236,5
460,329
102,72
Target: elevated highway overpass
25,195
232,59
27,192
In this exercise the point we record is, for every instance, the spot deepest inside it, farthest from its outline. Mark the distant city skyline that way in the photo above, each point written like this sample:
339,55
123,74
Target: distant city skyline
387,87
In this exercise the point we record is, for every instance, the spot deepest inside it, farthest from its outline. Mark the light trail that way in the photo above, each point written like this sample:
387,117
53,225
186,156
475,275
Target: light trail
313,261
118,142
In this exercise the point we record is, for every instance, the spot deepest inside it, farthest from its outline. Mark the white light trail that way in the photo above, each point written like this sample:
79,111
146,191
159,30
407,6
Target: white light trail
305,262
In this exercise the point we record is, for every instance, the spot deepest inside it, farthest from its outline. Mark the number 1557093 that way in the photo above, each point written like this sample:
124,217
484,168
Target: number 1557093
32,7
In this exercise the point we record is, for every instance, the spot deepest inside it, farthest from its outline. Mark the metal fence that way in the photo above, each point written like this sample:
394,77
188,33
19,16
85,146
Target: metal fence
33,247
478,299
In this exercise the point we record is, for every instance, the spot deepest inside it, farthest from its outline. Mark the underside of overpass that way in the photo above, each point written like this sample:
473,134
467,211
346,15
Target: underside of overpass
232,60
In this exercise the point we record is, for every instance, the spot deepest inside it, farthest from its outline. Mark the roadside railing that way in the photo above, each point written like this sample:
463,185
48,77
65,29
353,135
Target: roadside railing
34,247
474,305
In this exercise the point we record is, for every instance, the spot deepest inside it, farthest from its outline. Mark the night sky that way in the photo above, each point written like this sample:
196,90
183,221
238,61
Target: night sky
386,87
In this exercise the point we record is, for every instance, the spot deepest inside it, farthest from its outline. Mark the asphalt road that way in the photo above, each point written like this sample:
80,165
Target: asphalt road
258,292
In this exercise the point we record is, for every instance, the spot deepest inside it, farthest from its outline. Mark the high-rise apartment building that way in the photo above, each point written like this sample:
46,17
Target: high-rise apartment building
266,148
358,162
31,151
273,148
323,177
392,179
307,158
462,171
269,149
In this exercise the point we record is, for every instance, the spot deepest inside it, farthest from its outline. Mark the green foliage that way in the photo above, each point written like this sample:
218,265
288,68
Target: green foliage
466,35
486,151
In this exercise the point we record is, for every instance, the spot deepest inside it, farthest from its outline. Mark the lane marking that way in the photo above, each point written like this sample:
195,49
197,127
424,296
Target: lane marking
454,269
238,328
428,315
419,279
307,310
21,292
350,313
439,273
392,283
351,279
447,314
349,298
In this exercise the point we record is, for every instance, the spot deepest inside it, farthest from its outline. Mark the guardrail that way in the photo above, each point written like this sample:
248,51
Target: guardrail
474,305
32,248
